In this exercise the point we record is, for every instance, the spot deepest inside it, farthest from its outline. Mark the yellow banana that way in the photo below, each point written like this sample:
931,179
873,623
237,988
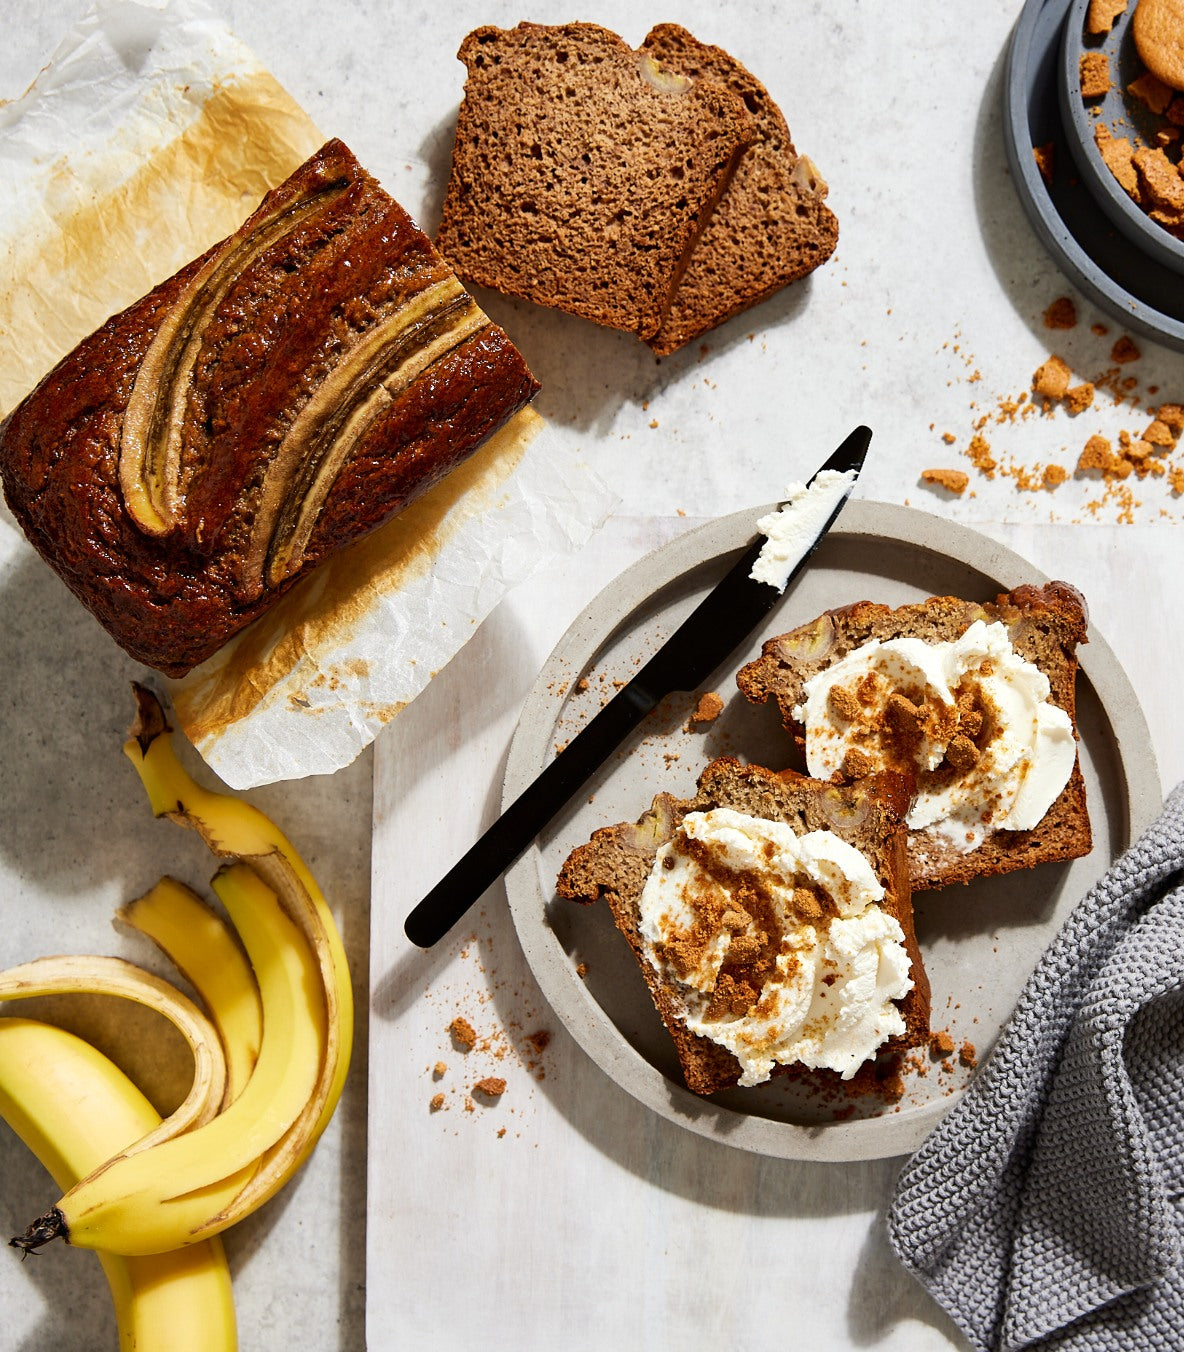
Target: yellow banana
98,975
205,951
185,1189
233,828
74,1108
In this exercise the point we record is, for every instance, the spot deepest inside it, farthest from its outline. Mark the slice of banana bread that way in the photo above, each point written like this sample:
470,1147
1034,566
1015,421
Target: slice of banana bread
771,227
717,957
990,743
582,174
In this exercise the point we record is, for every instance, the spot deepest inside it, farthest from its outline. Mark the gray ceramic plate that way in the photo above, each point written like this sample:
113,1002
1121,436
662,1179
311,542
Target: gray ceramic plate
979,942
1090,250
1125,116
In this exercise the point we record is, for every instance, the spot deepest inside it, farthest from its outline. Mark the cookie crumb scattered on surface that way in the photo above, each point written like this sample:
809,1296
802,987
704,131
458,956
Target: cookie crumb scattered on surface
941,1043
439,1070
708,709
1080,397
1102,14
463,1033
1125,350
436,1102
952,480
1044,156
1061,314
967,1054
492,1086
1052,378
1094,74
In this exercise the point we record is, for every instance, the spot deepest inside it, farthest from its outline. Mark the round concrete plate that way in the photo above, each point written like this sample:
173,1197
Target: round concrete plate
1136,288
980,942
1124,115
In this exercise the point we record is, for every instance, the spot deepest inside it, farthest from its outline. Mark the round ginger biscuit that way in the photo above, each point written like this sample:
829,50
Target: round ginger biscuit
1158,30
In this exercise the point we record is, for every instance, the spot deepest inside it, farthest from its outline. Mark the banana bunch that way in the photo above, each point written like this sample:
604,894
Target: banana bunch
270,1037
74,1108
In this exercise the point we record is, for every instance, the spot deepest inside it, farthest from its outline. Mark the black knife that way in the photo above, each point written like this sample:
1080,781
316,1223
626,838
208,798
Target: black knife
717,626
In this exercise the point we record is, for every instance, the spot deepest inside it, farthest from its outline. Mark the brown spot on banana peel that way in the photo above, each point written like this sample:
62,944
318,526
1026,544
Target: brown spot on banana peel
150,436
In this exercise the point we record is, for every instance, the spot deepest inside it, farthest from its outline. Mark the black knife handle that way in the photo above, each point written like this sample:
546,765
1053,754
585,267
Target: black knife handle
509,836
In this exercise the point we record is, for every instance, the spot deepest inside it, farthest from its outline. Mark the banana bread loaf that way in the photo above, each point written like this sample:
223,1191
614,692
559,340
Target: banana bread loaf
279,397
975,702
772,921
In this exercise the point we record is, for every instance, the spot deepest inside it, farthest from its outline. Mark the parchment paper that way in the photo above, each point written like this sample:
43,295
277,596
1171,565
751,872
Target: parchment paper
151,134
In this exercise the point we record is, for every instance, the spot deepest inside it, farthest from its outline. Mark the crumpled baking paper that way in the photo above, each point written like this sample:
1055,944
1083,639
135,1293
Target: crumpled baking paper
151,134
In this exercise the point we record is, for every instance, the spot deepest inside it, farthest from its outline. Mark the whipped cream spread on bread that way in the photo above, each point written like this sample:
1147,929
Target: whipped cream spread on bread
970,718
776,943
795,525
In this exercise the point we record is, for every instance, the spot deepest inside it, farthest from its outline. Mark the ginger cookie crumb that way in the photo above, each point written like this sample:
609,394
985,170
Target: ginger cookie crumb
492,1086
952,480
1094,74
436,1102
1096,454
1080,397
709,708
1061,314
463,1033
941,1043
439,1070
1102,14
1055,475
1051,379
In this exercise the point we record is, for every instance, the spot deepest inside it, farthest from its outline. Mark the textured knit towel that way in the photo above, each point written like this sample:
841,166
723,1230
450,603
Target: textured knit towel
1047,1209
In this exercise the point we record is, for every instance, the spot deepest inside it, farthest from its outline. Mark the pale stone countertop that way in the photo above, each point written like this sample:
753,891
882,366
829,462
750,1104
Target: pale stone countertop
589,1218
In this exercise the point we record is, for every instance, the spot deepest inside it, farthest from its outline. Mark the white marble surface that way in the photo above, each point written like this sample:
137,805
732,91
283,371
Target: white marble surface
587,1215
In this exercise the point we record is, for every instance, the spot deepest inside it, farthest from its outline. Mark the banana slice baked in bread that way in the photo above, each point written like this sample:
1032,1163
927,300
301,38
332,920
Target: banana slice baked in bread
771,918
278,398
975,702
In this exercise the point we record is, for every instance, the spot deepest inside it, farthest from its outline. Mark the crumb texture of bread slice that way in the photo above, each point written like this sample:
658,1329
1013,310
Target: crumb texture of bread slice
1045,625
614,865
772,226
581,174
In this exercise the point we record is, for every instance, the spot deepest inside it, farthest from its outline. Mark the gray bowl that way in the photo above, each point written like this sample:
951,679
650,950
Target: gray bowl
1129,283
1124,115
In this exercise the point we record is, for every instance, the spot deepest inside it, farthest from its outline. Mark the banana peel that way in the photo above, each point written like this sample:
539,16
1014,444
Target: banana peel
217,1188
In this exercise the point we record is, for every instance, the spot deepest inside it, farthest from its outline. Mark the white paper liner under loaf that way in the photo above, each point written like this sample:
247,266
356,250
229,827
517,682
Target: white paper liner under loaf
152,133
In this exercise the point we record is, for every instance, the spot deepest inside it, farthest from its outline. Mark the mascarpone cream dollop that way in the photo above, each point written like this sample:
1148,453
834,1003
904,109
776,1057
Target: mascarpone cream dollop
776,943
797,523
970,717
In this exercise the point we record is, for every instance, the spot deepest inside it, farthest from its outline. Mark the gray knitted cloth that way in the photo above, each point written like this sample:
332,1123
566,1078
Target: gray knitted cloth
1047,1209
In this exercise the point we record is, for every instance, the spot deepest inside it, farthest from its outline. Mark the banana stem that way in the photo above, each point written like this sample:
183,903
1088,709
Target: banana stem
44,1230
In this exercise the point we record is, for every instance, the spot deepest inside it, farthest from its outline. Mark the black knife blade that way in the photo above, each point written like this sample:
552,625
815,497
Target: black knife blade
717,626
